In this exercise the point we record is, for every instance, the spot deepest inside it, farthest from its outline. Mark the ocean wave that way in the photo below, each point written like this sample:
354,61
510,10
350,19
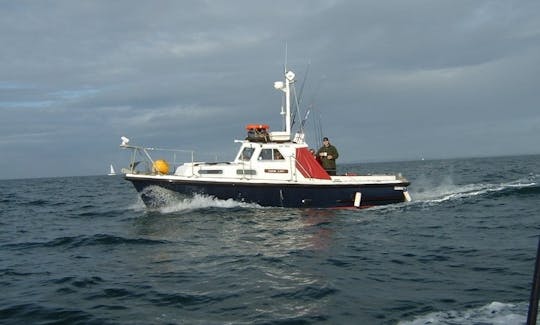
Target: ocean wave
105,239
137,206
495,313
34,313
191,299
78,241
38,202
87,282
92,287
104,212
313,292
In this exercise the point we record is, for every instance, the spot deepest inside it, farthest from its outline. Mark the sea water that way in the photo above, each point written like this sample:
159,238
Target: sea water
85,250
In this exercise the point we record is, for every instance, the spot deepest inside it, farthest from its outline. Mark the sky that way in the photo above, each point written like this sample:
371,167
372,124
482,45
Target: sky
387,80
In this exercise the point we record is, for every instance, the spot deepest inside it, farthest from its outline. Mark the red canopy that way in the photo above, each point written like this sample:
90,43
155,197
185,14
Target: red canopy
308,165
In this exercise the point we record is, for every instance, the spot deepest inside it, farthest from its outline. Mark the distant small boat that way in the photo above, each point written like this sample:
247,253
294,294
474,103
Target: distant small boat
112,172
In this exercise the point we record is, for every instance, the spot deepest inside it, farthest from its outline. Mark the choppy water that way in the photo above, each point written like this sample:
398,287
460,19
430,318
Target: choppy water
85,250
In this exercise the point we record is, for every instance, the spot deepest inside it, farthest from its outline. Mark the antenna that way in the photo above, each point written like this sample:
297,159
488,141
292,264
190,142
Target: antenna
300,95
286,57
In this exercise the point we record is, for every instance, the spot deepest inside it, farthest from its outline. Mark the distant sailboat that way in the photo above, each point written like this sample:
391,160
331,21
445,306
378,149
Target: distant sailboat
112,172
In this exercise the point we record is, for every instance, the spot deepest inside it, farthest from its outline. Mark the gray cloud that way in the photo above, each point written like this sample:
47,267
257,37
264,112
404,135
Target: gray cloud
391,80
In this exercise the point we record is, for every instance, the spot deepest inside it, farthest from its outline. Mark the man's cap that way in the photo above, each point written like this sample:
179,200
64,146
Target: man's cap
325,139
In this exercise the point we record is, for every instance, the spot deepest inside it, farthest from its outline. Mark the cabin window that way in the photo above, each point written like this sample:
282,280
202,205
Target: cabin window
246,172
278,155
246,153
270,154
266,154
211,171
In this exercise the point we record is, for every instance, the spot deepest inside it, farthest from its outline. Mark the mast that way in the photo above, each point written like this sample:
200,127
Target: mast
289,79
286,88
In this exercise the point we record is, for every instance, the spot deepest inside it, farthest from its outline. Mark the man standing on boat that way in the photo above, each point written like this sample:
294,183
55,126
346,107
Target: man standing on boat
328,155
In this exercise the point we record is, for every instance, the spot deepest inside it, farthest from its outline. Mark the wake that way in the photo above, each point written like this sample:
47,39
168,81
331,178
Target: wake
450,192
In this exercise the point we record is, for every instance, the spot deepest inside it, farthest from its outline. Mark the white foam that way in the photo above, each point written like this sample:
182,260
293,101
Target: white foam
201,202
137,206
160,195
495,313
170,201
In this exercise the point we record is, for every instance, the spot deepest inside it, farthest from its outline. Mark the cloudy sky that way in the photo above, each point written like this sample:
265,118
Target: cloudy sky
389,80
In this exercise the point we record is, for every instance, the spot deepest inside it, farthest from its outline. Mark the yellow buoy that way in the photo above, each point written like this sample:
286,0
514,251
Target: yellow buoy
161,166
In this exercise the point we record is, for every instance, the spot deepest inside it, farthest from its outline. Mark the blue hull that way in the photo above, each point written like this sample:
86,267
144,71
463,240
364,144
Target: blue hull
278,195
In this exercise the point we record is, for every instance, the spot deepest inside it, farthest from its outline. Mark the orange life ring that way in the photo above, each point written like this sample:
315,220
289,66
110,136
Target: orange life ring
257,127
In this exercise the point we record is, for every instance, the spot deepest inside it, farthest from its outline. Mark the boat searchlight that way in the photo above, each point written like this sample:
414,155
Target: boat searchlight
290,76
279,85
125,141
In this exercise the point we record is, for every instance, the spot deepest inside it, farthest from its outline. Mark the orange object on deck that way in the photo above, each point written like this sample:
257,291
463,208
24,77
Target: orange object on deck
257,127
161,166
